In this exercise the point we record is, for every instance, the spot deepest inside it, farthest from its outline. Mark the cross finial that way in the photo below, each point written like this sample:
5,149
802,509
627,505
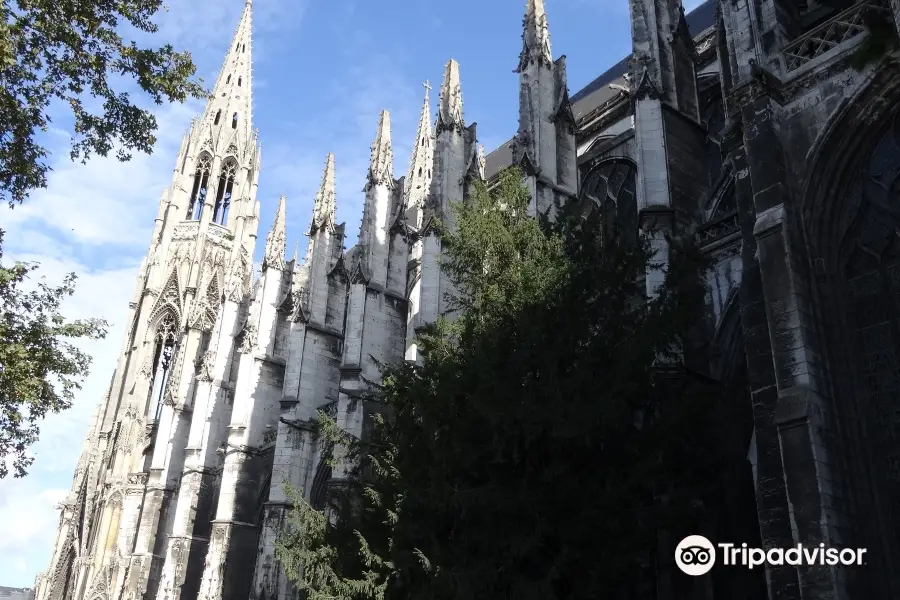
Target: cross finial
427,85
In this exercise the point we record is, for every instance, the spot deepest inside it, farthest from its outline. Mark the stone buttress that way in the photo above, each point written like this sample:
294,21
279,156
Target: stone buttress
456,157
544,147
312,306
375,326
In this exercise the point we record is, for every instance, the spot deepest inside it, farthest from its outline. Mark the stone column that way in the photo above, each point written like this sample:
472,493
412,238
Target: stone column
233,540
791,422
771,495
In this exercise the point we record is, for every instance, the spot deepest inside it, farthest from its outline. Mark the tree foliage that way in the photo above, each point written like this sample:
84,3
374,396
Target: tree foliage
549,437
40,367
71,52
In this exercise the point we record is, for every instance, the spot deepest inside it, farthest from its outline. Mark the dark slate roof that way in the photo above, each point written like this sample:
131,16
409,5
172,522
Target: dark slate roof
598,91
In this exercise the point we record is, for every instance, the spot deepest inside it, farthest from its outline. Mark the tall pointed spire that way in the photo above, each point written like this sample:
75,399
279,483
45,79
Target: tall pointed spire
230,106
423,144
275,241
418,178
381,166
325,205
536,36
450,108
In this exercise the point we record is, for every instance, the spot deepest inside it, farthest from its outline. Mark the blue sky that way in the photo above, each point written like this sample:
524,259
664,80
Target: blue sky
323,70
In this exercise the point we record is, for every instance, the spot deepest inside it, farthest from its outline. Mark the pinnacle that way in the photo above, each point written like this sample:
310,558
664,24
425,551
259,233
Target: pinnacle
422,145
536,36
450,111
381,166
325,204
275,241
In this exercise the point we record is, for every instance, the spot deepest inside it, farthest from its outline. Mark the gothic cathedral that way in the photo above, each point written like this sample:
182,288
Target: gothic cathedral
750,123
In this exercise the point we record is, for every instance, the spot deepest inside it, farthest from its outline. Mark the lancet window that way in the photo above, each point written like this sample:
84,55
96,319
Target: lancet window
223,195
234,120
163,359
218,117
201,184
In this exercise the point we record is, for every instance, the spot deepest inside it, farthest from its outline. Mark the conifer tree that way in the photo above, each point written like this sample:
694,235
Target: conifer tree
547,440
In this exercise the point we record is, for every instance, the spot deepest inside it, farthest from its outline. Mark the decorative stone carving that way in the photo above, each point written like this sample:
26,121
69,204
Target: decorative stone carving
186,231
248,339
236,283
205,366
137,479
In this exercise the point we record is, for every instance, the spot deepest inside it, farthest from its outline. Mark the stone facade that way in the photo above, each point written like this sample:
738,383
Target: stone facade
747,123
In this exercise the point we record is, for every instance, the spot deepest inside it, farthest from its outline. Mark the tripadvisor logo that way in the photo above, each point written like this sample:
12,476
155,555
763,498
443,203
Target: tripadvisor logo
695,555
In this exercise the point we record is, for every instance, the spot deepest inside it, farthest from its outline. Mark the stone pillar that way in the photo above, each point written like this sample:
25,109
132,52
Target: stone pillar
233,540
790,417
771,494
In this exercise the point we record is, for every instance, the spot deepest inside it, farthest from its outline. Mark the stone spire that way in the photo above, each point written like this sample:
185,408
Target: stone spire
536,36
450,109
324,206
231,100
418,178
373,232
275,241
381,166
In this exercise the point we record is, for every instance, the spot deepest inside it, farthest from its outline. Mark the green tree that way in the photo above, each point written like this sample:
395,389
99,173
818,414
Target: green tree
549,437
40,367
61,52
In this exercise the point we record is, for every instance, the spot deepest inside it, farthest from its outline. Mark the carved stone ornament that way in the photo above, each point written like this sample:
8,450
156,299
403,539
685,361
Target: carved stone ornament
137,479
236,282
206,366
146,370
248,339
186,231
206,310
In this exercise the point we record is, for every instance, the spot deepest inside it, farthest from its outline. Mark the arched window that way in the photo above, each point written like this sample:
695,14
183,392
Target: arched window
163,358
420,171
871,274
244,48
228,79
201,182
240,79
234,121
609,186
223,195
218,117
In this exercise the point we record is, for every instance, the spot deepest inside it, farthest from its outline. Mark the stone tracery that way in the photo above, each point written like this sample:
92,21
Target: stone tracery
609,187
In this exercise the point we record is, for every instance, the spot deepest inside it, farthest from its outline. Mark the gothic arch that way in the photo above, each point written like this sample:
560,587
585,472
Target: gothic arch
199,185
851,225
224,190
838,152
168,302
610,186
